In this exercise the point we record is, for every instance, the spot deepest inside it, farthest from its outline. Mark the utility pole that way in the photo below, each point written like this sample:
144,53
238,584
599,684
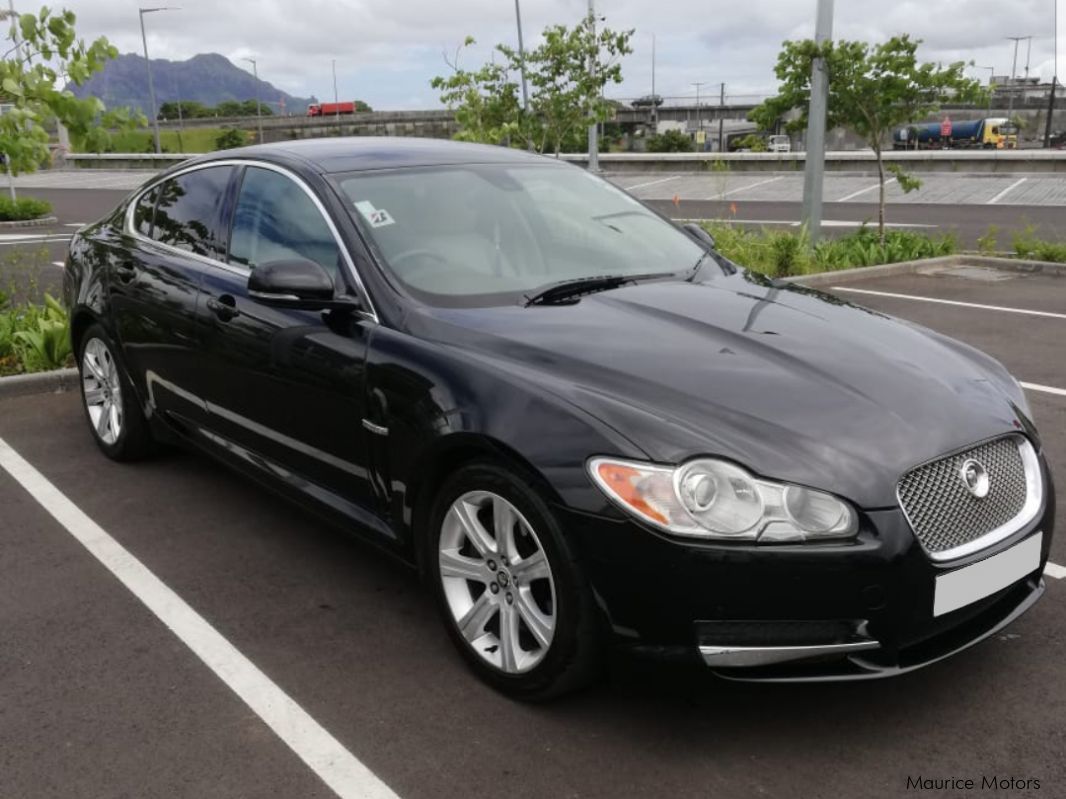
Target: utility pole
522,56
814,166
721,120
148,64
654,97
1013,73
594,145
1054,78
699,122
336,100
258,108
522,69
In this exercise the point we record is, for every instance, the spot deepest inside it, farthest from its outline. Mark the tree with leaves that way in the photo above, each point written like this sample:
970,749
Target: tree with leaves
485,100
872,90
45,55
565,95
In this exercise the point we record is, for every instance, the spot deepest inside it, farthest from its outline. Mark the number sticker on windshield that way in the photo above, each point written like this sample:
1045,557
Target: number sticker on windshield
376,217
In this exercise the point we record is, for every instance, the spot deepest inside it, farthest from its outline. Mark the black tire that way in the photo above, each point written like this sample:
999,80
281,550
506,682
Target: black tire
572,659
134,440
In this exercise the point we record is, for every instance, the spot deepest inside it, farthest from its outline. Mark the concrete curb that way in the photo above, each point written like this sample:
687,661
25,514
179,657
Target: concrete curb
42,221
39,383
910,267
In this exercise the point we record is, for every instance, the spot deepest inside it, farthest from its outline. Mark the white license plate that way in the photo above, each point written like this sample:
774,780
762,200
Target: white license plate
959,588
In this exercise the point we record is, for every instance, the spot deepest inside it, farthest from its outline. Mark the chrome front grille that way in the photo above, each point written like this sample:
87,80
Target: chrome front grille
949,520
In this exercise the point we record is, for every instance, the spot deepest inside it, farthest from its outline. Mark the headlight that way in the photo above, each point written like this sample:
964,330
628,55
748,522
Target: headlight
709,498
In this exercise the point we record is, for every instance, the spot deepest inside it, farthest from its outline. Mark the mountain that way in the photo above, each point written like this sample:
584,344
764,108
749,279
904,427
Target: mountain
208,78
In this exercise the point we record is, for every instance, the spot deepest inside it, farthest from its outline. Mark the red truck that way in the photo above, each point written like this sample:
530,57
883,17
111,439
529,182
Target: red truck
332,109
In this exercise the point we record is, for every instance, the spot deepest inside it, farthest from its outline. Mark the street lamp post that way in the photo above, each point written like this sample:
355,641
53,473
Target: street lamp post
336,100
594,145
814,167
1054,76
258,107
148,64
1013,78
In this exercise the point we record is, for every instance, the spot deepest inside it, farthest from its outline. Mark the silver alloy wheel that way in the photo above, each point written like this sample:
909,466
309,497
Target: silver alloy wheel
497,581
102,390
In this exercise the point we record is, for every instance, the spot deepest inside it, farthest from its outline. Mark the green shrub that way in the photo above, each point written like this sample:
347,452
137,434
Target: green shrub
23,208
35,338
670,141
986,244
1027,245
781,253
230,138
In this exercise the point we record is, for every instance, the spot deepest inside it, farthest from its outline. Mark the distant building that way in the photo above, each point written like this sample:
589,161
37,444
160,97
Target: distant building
1024,90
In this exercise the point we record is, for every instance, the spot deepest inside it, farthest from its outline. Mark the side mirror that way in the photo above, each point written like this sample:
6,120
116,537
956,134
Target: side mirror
700,235
296,283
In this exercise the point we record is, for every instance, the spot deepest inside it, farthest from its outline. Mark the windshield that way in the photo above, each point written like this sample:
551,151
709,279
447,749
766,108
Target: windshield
491,233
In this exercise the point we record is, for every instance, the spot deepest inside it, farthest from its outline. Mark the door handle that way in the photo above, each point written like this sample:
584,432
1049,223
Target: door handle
223,306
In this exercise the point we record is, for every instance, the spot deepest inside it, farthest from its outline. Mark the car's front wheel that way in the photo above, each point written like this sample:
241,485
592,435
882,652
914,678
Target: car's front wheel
513,595
115,417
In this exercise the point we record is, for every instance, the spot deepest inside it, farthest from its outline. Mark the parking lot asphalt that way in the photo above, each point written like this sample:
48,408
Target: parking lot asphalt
99,698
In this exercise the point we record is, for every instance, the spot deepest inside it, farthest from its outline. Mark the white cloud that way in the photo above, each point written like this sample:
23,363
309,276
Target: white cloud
387,50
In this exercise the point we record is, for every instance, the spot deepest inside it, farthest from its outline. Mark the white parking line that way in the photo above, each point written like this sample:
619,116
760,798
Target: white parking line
725,194
1054,570
652,183
1046,389
1006,191
854,194
983,307
323,753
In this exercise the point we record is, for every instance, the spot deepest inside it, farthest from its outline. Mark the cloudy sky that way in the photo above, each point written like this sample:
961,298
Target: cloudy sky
387,50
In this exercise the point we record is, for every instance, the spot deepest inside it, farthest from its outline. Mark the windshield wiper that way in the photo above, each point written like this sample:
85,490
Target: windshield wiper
578,287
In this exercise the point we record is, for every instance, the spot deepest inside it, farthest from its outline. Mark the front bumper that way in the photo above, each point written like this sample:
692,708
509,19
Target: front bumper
849,610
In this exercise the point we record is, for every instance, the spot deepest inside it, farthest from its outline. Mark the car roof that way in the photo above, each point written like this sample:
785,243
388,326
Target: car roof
358,153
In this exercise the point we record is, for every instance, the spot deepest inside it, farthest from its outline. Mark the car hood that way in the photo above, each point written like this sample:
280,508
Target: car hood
794,384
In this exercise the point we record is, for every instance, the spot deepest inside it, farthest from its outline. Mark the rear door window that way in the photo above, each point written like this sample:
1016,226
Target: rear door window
187,211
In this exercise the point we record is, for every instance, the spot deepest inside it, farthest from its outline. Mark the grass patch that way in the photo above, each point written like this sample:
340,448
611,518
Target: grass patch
191,140
23,208
781,253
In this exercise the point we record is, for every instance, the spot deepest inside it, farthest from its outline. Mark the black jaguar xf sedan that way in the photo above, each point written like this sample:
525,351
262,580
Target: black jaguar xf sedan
580,423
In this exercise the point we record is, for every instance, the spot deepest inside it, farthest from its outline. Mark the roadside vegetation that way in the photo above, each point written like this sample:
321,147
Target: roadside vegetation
33,338
784,253
23,208
192,140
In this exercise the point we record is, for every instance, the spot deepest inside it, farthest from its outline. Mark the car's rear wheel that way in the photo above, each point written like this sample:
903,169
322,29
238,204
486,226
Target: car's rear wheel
511,592
115,418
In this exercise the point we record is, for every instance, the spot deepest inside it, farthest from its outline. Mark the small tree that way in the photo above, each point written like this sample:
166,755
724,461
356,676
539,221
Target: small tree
872,89
485,100
565,96
48,55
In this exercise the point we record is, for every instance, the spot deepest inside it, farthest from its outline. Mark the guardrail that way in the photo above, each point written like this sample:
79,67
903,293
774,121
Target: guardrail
961,161
863,161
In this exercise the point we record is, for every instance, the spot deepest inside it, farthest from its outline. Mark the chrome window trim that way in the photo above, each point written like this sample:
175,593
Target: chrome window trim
130,230
1034,500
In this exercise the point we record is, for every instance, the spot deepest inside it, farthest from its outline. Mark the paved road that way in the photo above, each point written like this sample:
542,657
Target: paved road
98,698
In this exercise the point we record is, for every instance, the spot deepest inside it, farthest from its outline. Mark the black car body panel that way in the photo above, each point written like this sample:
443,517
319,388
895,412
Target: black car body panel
360,414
